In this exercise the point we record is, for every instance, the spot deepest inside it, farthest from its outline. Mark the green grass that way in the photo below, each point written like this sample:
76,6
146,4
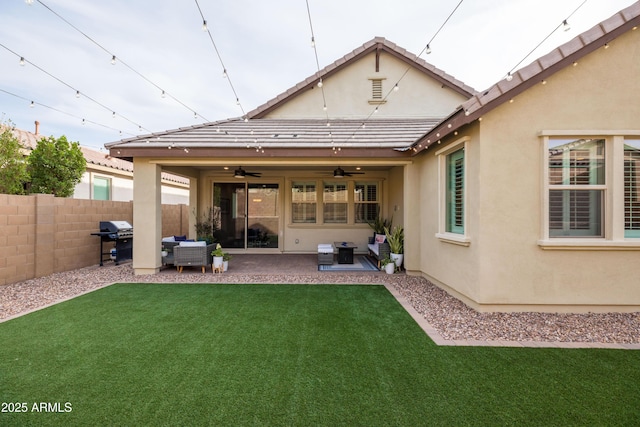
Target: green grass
136,354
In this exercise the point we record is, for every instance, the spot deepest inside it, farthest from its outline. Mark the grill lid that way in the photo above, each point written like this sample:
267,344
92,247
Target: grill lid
115,226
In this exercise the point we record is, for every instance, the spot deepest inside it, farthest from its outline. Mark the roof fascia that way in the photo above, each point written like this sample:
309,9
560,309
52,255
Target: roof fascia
460,118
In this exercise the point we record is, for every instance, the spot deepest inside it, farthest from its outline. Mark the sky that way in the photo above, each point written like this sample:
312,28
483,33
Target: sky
265,47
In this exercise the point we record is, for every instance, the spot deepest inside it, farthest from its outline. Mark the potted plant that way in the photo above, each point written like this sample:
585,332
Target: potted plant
388,265
225,261
379,224
218,258
395,238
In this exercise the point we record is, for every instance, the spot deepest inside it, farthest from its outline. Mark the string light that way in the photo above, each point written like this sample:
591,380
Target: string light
21,61
428,49
142,76
84,121
77,94
113,60
204,25
565,25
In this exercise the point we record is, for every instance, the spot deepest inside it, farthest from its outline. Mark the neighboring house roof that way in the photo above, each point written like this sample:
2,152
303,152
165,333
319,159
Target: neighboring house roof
289,133
534,73
378,44
29,141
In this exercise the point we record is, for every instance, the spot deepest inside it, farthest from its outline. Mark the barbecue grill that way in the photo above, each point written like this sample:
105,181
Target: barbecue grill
119,232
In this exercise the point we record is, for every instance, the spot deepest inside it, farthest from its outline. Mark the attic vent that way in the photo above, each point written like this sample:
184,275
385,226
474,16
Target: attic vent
376,91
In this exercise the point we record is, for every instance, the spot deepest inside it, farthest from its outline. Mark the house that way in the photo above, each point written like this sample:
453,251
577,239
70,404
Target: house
108,178
521,197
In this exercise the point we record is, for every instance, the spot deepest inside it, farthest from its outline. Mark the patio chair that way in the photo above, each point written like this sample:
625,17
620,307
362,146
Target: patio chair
193,254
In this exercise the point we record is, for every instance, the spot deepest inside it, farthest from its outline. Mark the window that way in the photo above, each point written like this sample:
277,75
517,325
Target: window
455,192
366,202
632,188
576,187
452,193
335,202
303,202
101,188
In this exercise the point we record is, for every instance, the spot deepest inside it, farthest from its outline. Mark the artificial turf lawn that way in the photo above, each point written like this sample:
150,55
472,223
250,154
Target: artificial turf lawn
155,354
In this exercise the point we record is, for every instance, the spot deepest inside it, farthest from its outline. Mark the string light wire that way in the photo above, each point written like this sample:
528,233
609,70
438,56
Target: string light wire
164,92
315,51
33,103
564,23
77,92
224,68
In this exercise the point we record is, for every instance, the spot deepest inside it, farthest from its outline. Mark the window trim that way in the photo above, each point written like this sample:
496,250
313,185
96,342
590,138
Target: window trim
109,181
613,194
443,235
350,202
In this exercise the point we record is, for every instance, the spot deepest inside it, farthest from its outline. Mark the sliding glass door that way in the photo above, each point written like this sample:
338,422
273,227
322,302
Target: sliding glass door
247,214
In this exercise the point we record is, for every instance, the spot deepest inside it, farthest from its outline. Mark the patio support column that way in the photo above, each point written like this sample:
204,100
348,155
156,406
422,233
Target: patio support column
412,213
147,217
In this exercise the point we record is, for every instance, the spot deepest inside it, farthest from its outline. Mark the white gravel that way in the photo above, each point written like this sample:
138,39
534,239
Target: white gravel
447,315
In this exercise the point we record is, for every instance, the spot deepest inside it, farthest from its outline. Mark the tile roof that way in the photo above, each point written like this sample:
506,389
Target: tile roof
377,43
30,140
534,73
290,133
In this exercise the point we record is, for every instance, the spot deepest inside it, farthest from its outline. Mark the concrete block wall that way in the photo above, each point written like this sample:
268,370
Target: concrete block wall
42,234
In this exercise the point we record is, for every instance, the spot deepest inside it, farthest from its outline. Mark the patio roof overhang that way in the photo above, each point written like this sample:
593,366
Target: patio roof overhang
281,138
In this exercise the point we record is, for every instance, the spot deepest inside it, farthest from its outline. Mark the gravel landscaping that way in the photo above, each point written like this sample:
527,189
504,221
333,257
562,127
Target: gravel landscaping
447,315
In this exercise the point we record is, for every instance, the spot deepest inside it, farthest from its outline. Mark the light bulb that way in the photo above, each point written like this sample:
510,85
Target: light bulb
163,95
320,84
113,60
313,42
29,2
113,115
195,115
77,94
32,104
204,25
509,76
396,88
224,73
428,51
83,122
565,25
21,60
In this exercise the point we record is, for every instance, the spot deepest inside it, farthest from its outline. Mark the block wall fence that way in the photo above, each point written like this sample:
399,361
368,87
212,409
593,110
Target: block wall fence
41,234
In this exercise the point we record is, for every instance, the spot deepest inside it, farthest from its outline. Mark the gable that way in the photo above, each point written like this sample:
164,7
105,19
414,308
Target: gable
348,87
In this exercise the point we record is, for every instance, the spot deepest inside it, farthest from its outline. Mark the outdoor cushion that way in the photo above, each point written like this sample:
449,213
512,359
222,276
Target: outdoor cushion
380,238
325,248
201,243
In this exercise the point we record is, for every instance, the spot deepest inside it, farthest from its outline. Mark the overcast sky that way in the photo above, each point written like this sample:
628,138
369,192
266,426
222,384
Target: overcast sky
265,46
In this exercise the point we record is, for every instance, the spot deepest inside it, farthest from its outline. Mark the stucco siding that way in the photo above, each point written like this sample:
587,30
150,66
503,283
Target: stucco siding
348,92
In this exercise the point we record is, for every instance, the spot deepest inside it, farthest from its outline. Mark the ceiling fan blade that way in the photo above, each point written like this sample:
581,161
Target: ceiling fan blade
254,174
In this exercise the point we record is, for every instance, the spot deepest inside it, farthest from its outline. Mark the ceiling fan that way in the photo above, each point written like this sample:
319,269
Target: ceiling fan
241,173
341,173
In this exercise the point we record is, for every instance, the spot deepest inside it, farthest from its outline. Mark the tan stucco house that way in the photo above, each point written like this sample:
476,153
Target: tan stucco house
525,196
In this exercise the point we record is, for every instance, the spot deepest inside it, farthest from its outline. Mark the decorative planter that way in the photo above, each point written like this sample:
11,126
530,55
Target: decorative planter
397,258
217,263
164,253
225,265
390,268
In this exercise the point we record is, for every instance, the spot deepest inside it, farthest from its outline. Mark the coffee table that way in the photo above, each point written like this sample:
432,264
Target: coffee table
345,252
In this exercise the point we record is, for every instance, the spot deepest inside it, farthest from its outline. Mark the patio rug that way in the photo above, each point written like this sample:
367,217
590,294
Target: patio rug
360,263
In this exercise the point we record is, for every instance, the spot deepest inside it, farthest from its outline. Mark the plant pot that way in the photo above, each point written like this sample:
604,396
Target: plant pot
225,265
397,258
217,262
164,253
390,268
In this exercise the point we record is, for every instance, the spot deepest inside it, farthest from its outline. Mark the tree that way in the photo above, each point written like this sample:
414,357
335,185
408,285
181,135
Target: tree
56,166
13,168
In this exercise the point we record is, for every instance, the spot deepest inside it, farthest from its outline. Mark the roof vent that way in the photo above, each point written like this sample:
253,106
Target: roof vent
376,91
